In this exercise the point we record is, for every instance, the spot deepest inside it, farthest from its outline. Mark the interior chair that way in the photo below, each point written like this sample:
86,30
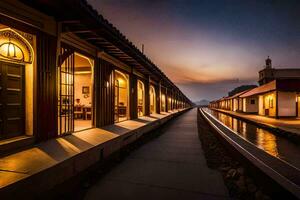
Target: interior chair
78,112
88,113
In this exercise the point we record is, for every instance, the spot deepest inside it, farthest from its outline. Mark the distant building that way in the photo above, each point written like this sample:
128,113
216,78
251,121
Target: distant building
240,89
269,73
277,96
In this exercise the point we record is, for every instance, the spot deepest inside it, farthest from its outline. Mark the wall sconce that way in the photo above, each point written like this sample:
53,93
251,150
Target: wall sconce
11,50
106,84
132,90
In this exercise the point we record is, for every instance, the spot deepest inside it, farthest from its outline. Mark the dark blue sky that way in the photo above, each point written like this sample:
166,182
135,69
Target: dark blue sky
209,47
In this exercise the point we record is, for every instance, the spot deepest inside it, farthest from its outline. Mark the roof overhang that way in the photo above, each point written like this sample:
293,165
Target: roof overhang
79,18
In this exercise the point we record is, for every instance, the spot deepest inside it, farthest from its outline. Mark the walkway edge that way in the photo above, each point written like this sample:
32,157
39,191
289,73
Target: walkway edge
30,184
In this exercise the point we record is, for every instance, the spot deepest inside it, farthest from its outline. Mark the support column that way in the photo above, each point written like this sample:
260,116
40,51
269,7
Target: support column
104,93
133,96
45,95
167,100
171,99
158,97
276,104
177,101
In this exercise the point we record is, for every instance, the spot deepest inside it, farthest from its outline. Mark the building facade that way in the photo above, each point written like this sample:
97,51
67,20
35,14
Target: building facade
62,72
277,96
269,73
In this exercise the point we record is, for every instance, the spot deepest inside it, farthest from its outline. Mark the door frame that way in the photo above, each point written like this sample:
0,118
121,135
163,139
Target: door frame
71,51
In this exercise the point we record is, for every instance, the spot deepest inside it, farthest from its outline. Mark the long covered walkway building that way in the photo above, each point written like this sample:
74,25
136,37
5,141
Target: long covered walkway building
62,72
73,90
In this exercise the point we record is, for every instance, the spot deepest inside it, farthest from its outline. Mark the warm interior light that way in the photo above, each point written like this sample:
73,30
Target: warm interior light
121,81
90,61
83,72
121,96
11,51
13,46
140,94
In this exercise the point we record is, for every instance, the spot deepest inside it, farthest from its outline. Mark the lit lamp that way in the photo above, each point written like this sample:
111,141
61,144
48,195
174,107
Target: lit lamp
106,83
11,51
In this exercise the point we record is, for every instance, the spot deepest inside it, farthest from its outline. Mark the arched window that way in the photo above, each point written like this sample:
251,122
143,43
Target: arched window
152,100
121,96
14,47
163,102
141,98
75,92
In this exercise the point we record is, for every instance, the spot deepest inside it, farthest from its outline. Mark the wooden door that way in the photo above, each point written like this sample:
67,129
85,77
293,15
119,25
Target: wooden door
12,101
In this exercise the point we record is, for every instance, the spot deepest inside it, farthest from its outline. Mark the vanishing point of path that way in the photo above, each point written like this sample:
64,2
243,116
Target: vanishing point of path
171,166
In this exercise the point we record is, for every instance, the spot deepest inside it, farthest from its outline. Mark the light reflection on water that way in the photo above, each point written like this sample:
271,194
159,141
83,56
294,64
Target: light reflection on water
274,145
262,138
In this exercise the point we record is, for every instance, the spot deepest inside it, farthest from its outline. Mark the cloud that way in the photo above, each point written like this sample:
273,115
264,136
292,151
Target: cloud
203,47
201,75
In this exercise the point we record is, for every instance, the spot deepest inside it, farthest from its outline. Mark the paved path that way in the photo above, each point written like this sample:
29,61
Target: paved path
171,166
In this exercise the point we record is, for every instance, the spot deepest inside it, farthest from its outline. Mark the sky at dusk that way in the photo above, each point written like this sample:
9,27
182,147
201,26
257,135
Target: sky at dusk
209,47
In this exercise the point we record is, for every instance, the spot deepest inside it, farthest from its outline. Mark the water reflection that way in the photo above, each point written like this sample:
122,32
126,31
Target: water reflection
279,147
263,139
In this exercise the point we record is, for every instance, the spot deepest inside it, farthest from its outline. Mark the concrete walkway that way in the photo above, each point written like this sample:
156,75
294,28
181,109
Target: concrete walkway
39,168
171,166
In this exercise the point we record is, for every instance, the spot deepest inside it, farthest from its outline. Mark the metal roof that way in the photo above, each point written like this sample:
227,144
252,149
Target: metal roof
83,20
261,89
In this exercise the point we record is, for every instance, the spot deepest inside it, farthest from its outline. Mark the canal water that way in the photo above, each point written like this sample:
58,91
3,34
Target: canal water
273,144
